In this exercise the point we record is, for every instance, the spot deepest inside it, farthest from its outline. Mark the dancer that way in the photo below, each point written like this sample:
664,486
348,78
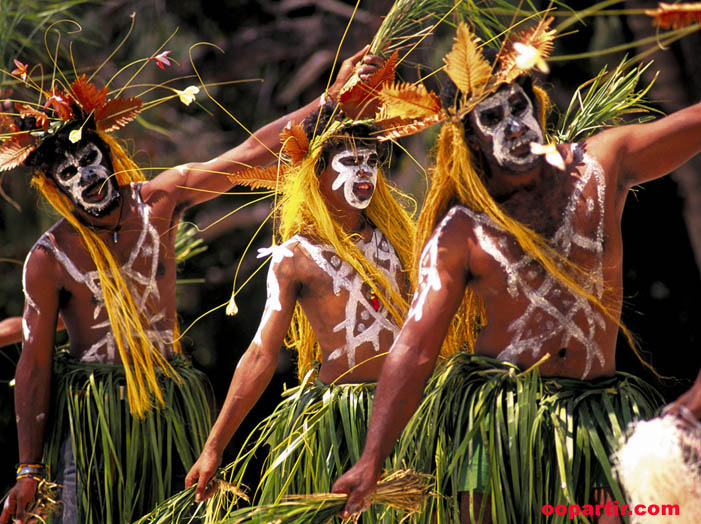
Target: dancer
338,275
529,255
128,409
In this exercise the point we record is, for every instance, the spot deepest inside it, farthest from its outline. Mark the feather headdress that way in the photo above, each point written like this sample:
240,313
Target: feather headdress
360,98
23,131
410,108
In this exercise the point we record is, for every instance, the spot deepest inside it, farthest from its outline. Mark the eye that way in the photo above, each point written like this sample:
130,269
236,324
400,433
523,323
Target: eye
372,160
350,161
67,172
88,157
519,106
491,117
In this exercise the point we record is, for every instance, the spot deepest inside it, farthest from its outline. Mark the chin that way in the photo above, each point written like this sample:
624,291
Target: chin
99,212
528,163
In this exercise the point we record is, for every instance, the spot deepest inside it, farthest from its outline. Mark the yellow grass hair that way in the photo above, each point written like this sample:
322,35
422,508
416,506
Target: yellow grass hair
141,358
455,179
302,210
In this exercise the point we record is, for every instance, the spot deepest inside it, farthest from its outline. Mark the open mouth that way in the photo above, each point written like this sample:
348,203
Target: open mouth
521,150
363,190
95,192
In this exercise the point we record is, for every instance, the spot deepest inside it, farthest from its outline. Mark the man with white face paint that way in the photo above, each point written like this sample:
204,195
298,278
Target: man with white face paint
522,263
109,268
338,275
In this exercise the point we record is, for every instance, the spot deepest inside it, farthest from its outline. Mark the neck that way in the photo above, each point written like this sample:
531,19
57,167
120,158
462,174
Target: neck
502,183
110,221
351,221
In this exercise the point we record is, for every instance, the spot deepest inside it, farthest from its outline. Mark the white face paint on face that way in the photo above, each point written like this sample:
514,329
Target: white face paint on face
87,180
505,124
357,173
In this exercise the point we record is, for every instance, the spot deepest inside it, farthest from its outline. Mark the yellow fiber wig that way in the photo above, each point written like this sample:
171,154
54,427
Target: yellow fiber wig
141,358
302,209
455,179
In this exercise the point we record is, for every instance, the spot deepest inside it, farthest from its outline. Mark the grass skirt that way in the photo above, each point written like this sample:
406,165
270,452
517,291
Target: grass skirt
545,440
124,465
313,436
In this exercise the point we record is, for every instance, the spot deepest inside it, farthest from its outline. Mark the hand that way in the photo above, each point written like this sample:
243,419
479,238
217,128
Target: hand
361,63
358,482
20,496
201,473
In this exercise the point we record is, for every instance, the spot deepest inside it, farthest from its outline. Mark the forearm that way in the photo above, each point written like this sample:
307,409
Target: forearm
32,402
252,376
399,392
10,331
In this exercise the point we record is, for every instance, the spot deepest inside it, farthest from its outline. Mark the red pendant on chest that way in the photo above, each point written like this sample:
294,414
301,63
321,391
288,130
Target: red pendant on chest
374,301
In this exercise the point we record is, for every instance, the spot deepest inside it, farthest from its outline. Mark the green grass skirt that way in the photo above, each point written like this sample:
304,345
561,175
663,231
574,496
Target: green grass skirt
545,440
124,465
313,436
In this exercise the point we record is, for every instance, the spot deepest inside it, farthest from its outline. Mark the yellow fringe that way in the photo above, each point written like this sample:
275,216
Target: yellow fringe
140,357
455,178
302,209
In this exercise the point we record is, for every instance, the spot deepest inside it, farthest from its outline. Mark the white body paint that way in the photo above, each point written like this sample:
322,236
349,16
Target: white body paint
143,286
542,321
273,286
361,324
350,175
429,279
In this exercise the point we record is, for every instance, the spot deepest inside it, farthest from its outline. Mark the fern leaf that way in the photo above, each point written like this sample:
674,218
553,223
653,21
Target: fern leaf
295,143
88,96
117,113
538,40
362,92
675,15
406,100
258,178
465,65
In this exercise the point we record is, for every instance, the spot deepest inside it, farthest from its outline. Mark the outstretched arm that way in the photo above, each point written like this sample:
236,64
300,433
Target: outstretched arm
193,183
11,330
638,153
254,370
411,360
33,375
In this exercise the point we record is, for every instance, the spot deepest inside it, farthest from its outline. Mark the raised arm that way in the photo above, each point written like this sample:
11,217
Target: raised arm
34,372
637,153
196,182
254,370
442,281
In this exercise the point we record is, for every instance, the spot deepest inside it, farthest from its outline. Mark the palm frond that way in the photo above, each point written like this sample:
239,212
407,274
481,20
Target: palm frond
605,101
406,21
187,244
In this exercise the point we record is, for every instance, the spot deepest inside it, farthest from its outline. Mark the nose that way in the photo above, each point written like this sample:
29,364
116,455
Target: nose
514,128
88,174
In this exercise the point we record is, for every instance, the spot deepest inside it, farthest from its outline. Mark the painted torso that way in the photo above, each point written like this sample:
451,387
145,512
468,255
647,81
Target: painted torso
143,252
529,312
350,325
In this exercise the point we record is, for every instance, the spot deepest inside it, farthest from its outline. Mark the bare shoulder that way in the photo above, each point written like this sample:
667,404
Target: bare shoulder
41,265
449,241
283,258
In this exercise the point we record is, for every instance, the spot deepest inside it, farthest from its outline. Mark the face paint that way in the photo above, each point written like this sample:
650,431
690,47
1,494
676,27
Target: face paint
505,125
87,181
357,173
